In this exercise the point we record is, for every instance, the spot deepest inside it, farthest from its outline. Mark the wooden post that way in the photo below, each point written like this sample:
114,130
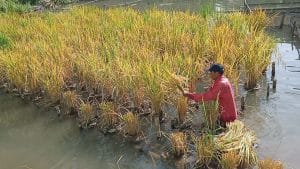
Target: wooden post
242,103
268,90
282,21
273,70
157,125
274,84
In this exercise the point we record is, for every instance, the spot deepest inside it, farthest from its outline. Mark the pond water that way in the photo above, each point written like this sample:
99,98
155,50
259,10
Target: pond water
32,138
276,120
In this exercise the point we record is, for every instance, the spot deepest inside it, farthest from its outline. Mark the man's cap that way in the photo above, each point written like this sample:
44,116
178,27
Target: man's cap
216,68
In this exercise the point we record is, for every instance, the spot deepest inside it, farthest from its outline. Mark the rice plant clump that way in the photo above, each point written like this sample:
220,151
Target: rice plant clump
270,164
256,54
69,100
211,114
182,108
86,113
206,149
179,143
258,20
132,126
108,117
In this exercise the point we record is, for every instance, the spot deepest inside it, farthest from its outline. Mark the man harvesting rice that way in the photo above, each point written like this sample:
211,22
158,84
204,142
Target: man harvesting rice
221,90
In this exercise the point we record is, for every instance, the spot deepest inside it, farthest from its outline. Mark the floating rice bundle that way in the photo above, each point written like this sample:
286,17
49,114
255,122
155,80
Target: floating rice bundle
206,149
240,139
270,164
109,116
179,143
132,125
182,108
229,160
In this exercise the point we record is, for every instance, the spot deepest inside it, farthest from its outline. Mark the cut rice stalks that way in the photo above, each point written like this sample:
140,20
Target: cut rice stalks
179,143
240,139
229,160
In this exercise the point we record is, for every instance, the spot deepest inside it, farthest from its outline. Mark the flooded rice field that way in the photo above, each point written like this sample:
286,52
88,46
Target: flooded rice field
32,137
36,138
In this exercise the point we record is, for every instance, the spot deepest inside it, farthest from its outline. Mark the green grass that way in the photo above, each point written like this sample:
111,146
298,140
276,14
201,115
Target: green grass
4,41
14,6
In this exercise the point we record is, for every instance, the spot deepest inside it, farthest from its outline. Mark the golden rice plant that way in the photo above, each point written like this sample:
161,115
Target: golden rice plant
123,54
206,149
138,95
132,126
109,117
69,100
211,114
241,140
258,20
86,113
257,50
270,164
229,160
179,143
223,44
153,80
182,108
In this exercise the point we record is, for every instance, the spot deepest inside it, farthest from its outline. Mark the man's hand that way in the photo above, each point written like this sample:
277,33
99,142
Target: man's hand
185,93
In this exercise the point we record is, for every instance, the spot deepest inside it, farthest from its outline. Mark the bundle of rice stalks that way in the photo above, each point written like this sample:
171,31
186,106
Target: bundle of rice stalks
69,100
132,126
109,117
270,164
229,160
182,108
179,143
206,149
211,114
86,113
238,138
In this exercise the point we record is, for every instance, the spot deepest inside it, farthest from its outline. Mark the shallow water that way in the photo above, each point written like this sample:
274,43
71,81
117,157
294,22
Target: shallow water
32,138
276,120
